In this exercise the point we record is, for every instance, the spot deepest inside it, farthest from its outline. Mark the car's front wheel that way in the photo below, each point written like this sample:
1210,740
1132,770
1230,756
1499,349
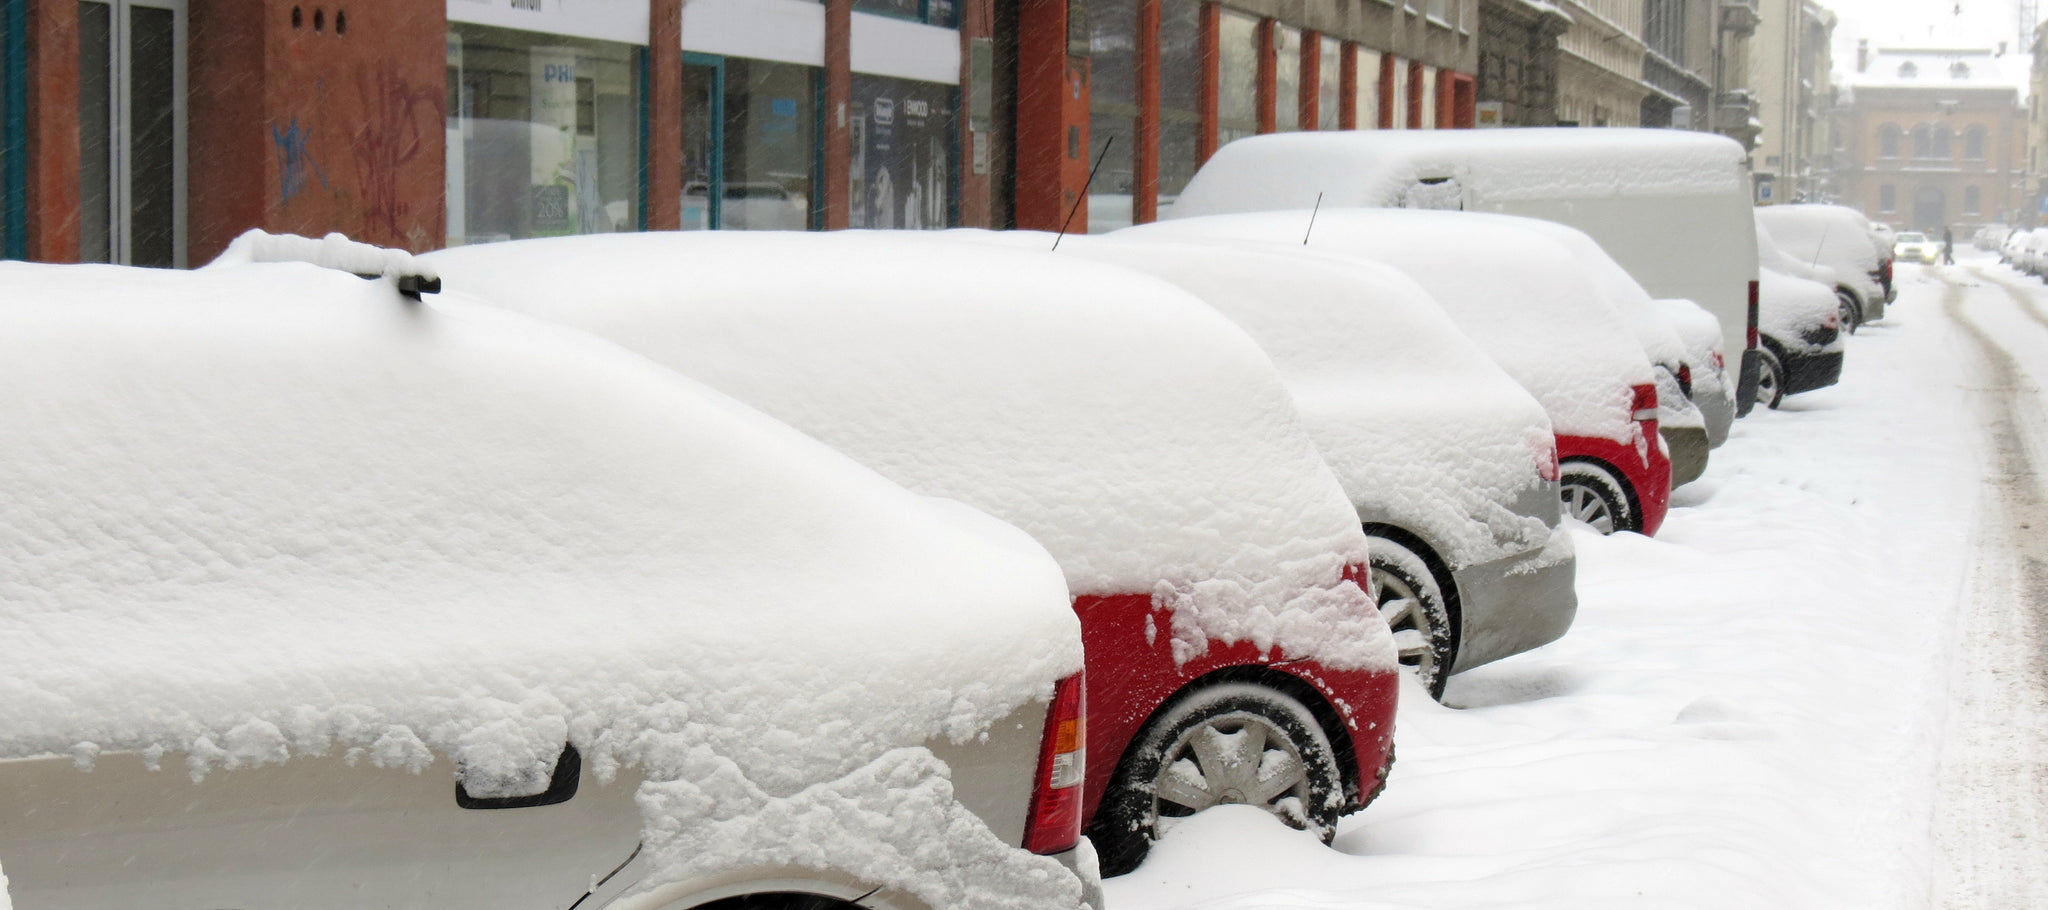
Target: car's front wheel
1852,312
1592,494
1770,379
1231,743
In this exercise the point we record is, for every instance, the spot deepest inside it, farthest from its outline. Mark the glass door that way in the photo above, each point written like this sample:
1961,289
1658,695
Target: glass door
703,141
131,131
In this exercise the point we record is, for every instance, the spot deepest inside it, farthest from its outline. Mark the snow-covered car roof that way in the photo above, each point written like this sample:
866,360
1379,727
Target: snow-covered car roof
270,510
1518,292
1789,307
1140,436
1659,339
1830,235
1375,168
1771,255
1417,422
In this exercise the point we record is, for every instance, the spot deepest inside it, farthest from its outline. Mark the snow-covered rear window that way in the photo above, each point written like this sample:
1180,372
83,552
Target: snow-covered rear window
1141,437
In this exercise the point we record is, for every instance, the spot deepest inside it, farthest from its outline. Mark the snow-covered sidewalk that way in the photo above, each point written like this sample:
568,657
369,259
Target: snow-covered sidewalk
1747,713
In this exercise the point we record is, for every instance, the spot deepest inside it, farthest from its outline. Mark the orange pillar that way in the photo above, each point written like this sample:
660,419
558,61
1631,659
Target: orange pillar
975,204
1145,201
1269,77
1386,91
1212,85
1310,97
1052,119
664,152
1347,87
52,66
838,102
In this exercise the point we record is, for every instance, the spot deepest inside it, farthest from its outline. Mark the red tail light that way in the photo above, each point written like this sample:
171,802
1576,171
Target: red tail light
1753,297
1685,378
1055,822
1645,404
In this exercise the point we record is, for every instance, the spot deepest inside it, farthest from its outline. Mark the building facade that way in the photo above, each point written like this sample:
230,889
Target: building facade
1935,138
1518,62
1599,74
153,131
1791,78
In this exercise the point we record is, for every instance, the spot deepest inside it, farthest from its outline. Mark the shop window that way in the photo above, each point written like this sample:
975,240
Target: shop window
1112,112
1366,87
1973,143
1428,99
1973,200
1397,96
749,144
1330,85
1180,90
1440,10
1888,140
543,135
1287,79
130,132
13,144
1887,198
1237,101
936,12
902,134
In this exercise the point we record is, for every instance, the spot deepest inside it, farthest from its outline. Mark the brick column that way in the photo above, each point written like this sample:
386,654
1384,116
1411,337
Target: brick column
975,203
1145,161
1414,100
664,152
1269,77
1386,91
1309,98
1347,87
1212,85
838,105
52,131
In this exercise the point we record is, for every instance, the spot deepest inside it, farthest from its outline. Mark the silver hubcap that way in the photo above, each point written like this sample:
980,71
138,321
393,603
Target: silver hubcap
1238,758
1766,384
1402,608
1584,503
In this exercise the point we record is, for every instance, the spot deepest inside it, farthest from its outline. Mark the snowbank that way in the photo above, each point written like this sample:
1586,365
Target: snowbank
270,511
1518,293
1377,168
1142,438
1423,430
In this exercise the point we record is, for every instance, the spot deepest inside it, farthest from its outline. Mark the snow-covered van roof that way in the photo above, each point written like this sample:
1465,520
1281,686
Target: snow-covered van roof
1417,422
1376,168
271,510
1140,436
1518,292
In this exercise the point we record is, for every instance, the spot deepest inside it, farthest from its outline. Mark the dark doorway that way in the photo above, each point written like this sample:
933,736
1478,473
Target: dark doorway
1930,209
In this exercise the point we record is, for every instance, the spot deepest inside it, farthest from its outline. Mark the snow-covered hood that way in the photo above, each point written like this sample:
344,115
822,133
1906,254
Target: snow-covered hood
271,510
1140,436
1422,428
1514,290
1375,168
1794,311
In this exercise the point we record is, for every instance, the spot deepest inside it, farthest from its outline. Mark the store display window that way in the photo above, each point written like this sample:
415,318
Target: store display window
904,151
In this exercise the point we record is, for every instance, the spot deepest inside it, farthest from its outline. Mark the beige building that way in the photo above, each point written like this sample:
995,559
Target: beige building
2035,167
1600,64
1935,138
1790,78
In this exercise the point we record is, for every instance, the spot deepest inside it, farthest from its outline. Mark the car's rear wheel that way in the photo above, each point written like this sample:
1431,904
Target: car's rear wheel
1232,743
1413,604
1852,312
780,901
1592,494
1770,379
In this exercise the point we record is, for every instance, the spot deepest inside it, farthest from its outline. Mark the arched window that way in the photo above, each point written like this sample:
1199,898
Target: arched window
1888,140
1973,143
1909,70
1942,145
1973,198
1959,70
1923,141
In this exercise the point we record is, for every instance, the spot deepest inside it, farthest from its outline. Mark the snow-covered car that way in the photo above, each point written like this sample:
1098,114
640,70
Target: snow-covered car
1451,465
320,596
1522,296
1708,381
1842,239
1671,206
762,205
1799,322
1913,246
1213,558
1991,237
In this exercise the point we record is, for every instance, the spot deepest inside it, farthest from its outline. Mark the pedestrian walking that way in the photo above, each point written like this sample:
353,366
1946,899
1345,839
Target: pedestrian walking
1948,246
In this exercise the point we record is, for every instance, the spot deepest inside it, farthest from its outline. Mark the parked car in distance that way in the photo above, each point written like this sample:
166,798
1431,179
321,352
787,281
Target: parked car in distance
1840,238
1913,246
1533,310
1709,382
1451,465
1801,337
1671,206
1138,435
338,599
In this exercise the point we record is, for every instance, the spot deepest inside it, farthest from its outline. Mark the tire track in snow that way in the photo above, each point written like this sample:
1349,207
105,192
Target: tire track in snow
1991,814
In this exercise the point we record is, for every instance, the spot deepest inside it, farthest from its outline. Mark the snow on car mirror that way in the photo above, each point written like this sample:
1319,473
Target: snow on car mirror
1442,193
334,251
516,794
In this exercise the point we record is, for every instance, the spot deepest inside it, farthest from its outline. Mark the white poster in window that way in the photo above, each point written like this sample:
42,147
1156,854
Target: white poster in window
552,151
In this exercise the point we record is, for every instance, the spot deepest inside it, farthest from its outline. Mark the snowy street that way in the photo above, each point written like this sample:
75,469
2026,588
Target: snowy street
1821,686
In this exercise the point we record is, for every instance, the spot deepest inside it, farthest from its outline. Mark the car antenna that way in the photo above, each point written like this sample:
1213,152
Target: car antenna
1822,245
1084,191
1312,219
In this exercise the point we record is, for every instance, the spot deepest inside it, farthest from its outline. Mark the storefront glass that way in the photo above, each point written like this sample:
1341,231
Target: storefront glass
543,135
1367,88
130,132
1112,112
902,134
1397,96
1287,80
1330,85
1180,90
1237,101
936,12
749,144
12,142
1428,99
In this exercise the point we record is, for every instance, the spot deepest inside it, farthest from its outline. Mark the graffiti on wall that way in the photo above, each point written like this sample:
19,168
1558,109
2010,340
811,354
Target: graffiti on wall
398,123
296,166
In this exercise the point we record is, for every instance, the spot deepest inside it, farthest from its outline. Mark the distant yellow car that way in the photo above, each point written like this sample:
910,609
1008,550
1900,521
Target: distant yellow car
1916,247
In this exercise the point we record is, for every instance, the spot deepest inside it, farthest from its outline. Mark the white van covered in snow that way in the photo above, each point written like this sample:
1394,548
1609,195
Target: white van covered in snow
1672,207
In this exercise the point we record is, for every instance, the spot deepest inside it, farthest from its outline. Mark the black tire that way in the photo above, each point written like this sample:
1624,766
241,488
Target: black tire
1133,813
1413,602
779,901
1852,312
1593,494
1770,379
